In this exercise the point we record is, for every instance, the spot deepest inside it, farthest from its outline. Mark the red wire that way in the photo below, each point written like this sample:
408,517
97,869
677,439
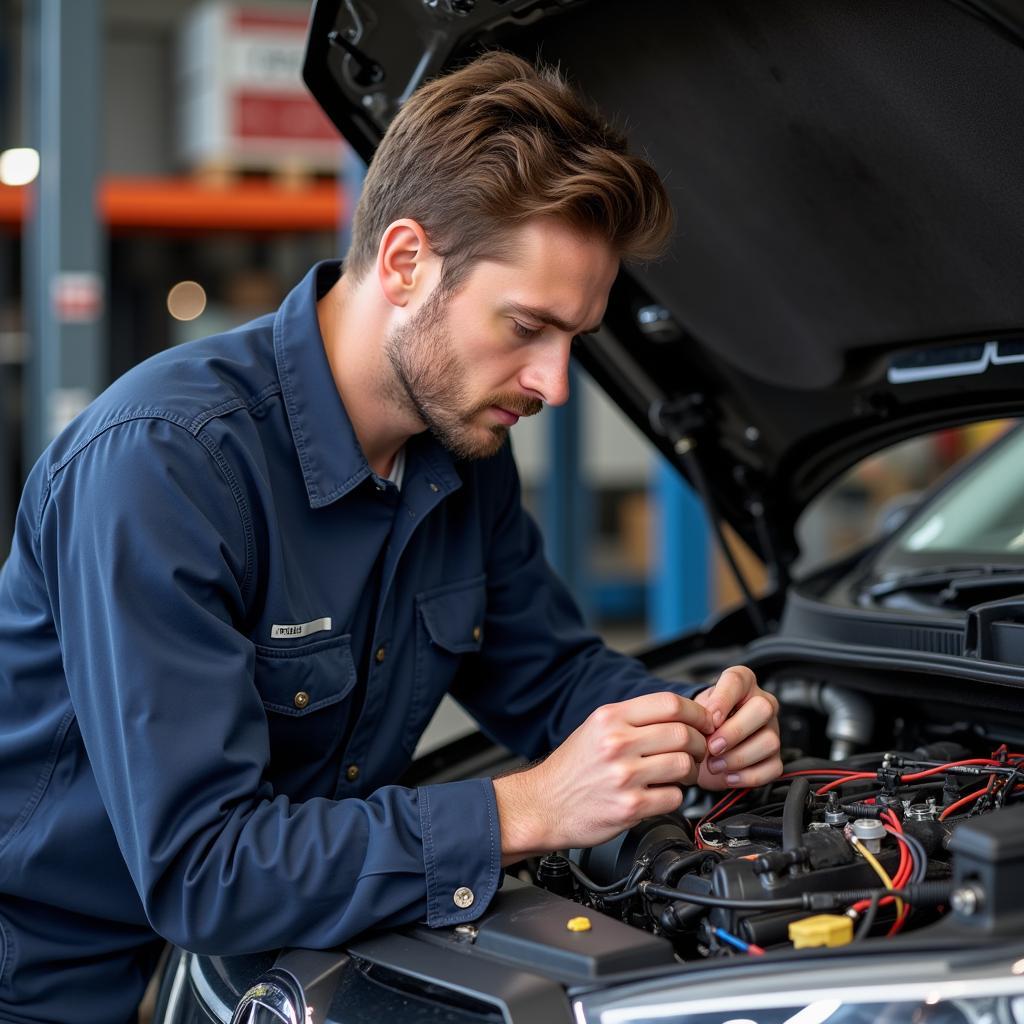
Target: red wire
854,777
818,771
719,809
730,799
914,776
905,870
957,804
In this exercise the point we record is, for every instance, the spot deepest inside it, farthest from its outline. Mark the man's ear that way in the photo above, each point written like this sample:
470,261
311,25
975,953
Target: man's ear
405,262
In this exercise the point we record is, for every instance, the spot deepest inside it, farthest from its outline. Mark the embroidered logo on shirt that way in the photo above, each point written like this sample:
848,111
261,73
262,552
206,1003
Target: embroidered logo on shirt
300,629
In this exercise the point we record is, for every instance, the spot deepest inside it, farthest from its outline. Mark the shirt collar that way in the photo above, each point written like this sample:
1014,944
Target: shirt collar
332,461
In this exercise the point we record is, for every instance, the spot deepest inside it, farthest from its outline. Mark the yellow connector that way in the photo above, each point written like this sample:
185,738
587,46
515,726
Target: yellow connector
821,930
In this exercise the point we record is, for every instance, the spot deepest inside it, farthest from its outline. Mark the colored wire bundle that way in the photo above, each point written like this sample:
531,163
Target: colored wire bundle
738,943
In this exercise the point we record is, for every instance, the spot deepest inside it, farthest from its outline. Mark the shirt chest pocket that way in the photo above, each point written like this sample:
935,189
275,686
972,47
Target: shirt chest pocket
449,627
304,691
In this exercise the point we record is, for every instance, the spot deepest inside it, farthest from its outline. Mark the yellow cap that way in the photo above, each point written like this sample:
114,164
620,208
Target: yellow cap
821,930
578,924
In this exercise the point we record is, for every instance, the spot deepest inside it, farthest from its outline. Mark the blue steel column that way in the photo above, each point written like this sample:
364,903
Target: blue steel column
8,403
566,502
351,176
680,581
67,357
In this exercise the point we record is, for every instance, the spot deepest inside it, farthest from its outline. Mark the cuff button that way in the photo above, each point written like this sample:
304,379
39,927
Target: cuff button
463,898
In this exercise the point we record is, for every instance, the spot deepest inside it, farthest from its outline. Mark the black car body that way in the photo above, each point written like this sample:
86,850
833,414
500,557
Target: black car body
849,182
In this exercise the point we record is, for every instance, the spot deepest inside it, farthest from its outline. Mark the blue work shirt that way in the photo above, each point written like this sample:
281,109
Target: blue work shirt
177,672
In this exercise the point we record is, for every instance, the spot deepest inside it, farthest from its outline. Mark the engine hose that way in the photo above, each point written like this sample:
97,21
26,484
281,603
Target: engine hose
920,894
793,814
864,810
851,718
685,862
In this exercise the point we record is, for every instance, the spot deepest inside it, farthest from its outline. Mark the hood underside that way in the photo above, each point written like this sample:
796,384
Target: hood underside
848,179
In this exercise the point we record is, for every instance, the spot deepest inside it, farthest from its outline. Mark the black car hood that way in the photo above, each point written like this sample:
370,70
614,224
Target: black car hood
849,182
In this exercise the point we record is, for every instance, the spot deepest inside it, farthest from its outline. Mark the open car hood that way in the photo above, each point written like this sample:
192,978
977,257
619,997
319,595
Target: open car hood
848,268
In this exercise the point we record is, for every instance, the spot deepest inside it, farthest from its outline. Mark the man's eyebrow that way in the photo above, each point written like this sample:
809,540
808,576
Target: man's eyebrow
545,316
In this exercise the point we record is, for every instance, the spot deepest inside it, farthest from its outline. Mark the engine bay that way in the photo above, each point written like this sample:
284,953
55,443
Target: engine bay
834,852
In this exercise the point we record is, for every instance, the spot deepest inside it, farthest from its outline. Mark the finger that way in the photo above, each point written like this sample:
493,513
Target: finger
755,713
661,800
666,738
665,706
756,775
763,744
662,769
732,687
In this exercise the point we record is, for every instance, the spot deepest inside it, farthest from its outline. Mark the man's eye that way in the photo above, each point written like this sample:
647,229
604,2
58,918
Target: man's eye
522,331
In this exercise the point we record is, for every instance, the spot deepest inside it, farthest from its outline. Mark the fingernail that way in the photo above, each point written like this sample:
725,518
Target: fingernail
716,717
732,779
717,746
717,765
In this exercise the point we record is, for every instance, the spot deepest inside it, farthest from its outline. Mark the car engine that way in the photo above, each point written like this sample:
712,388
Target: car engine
806,861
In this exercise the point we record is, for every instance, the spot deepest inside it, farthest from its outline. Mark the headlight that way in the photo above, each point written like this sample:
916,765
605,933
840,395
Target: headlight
984,998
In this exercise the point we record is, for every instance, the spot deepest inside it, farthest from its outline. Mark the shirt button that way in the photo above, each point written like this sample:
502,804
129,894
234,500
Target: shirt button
380,655
463,897
477,632
434,487
352,772
301,699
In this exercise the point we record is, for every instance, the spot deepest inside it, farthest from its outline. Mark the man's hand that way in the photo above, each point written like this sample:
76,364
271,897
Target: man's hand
743,748
626,762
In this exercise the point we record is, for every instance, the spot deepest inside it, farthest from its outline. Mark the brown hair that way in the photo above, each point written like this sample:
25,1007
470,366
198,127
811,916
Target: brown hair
481,150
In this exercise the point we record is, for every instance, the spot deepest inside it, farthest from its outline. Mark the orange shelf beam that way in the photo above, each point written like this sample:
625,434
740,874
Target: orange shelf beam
184,204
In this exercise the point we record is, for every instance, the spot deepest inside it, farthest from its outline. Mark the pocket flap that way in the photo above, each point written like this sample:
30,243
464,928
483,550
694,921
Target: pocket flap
300,680
454,614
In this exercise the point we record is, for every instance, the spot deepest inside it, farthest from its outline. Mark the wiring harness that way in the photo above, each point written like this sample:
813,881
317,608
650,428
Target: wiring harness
826,855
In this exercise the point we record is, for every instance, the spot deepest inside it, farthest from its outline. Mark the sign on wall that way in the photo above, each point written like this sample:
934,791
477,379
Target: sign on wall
243,102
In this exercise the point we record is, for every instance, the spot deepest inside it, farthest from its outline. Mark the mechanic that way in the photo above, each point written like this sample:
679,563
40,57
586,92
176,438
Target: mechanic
233,600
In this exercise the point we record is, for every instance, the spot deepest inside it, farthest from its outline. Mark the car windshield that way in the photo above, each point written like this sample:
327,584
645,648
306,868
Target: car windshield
975,522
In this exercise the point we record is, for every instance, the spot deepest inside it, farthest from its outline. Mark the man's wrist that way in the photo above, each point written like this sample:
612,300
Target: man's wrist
522,829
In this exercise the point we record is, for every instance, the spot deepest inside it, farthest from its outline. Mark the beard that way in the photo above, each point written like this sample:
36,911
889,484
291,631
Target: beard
429,377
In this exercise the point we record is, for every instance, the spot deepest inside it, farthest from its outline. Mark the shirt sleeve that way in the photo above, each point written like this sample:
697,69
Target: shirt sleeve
541,672
148,552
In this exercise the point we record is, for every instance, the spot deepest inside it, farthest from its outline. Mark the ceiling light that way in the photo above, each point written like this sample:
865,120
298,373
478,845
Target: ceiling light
18,166
186,300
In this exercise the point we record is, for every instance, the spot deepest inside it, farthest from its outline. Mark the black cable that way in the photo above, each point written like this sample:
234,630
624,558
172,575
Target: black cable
868,920
591,885
620,897
1007,787
920,857
864,810
793,814
916,893
697,476
666,893
927,893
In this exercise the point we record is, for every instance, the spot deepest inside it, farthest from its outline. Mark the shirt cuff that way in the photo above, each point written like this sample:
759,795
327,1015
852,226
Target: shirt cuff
461,849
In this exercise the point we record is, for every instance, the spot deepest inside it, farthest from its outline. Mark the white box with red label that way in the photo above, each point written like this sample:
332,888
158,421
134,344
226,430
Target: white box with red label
242,100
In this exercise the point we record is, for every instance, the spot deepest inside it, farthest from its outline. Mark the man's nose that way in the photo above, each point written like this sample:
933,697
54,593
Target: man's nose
547,373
